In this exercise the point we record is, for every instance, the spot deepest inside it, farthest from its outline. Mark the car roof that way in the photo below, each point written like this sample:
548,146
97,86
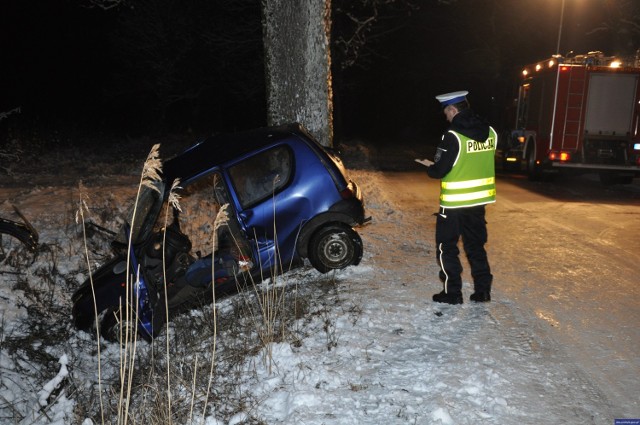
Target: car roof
219,149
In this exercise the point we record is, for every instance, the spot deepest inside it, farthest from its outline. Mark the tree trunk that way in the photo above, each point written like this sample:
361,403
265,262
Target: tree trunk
298,64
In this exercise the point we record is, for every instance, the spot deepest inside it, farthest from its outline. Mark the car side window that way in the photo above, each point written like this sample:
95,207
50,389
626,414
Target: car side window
200,202
262,175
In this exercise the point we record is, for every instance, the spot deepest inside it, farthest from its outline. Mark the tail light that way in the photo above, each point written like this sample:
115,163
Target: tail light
560,156
347,193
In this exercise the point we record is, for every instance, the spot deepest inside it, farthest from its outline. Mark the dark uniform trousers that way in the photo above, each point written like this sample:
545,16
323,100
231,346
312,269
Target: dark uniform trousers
470,223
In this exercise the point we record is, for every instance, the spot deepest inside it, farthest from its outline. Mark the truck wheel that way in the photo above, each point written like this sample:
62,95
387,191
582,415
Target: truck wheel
335,246
533,169
504,147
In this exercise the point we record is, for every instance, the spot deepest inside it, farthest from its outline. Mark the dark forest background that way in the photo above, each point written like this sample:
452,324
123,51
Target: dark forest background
194,67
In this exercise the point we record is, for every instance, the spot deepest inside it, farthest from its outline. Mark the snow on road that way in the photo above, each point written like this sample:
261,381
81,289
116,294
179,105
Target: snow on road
552,347
414,361
576,267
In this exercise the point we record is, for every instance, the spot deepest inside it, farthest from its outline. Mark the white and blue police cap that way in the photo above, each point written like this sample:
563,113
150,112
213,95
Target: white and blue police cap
452,98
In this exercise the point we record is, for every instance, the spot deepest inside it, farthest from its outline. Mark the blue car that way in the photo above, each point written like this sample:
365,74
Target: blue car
252,205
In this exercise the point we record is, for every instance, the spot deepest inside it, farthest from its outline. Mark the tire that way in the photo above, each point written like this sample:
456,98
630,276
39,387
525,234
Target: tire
114,327
533,170
335,246
504,146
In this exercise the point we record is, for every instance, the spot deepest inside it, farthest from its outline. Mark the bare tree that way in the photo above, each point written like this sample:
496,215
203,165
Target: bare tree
362,24
622,23
297,47
296,39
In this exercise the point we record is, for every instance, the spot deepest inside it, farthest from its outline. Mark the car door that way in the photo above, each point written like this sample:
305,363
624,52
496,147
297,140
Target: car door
278,190
259,181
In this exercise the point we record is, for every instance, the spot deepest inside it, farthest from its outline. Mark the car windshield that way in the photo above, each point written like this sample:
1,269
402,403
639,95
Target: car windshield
146,209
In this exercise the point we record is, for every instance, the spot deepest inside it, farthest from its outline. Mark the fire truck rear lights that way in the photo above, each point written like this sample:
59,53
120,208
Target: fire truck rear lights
559,156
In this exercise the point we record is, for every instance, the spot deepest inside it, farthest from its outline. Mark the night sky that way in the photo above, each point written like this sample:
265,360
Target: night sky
196,66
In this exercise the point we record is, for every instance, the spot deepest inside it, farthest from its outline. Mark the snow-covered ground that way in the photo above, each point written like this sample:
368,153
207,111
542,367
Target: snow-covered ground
375,348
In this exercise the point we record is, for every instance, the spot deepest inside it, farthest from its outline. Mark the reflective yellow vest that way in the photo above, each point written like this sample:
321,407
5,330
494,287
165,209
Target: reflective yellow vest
472,180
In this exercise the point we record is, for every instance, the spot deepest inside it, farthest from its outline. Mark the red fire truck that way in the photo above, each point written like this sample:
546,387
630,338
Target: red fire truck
576,114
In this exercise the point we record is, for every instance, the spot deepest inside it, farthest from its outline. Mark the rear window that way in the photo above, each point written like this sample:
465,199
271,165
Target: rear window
262,176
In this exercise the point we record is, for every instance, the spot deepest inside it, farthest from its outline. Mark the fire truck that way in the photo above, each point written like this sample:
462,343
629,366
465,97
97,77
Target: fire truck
577,114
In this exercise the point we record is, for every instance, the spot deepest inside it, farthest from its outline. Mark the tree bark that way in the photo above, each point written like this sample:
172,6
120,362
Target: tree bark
298,64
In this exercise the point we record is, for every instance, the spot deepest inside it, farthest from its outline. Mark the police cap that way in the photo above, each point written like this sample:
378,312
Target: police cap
452,98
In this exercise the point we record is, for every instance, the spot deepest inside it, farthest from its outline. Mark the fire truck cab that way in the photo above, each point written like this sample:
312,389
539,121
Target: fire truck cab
578,114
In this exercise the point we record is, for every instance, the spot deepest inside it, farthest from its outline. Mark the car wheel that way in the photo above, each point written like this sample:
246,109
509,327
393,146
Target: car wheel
335,246
114,327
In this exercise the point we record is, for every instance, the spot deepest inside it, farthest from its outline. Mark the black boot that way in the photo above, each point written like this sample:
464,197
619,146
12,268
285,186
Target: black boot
480,297
448,298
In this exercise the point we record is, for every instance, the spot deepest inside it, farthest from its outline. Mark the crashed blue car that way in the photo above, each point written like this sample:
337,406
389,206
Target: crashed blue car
252,205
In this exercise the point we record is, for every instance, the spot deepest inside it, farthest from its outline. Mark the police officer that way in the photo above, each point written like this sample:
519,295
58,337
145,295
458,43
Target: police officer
464,163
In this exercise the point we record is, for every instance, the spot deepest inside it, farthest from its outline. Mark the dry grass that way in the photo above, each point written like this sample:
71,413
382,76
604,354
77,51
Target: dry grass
197,367
205,352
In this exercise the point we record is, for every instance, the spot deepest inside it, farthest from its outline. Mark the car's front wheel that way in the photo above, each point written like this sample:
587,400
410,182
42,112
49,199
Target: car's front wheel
116,328
335,246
